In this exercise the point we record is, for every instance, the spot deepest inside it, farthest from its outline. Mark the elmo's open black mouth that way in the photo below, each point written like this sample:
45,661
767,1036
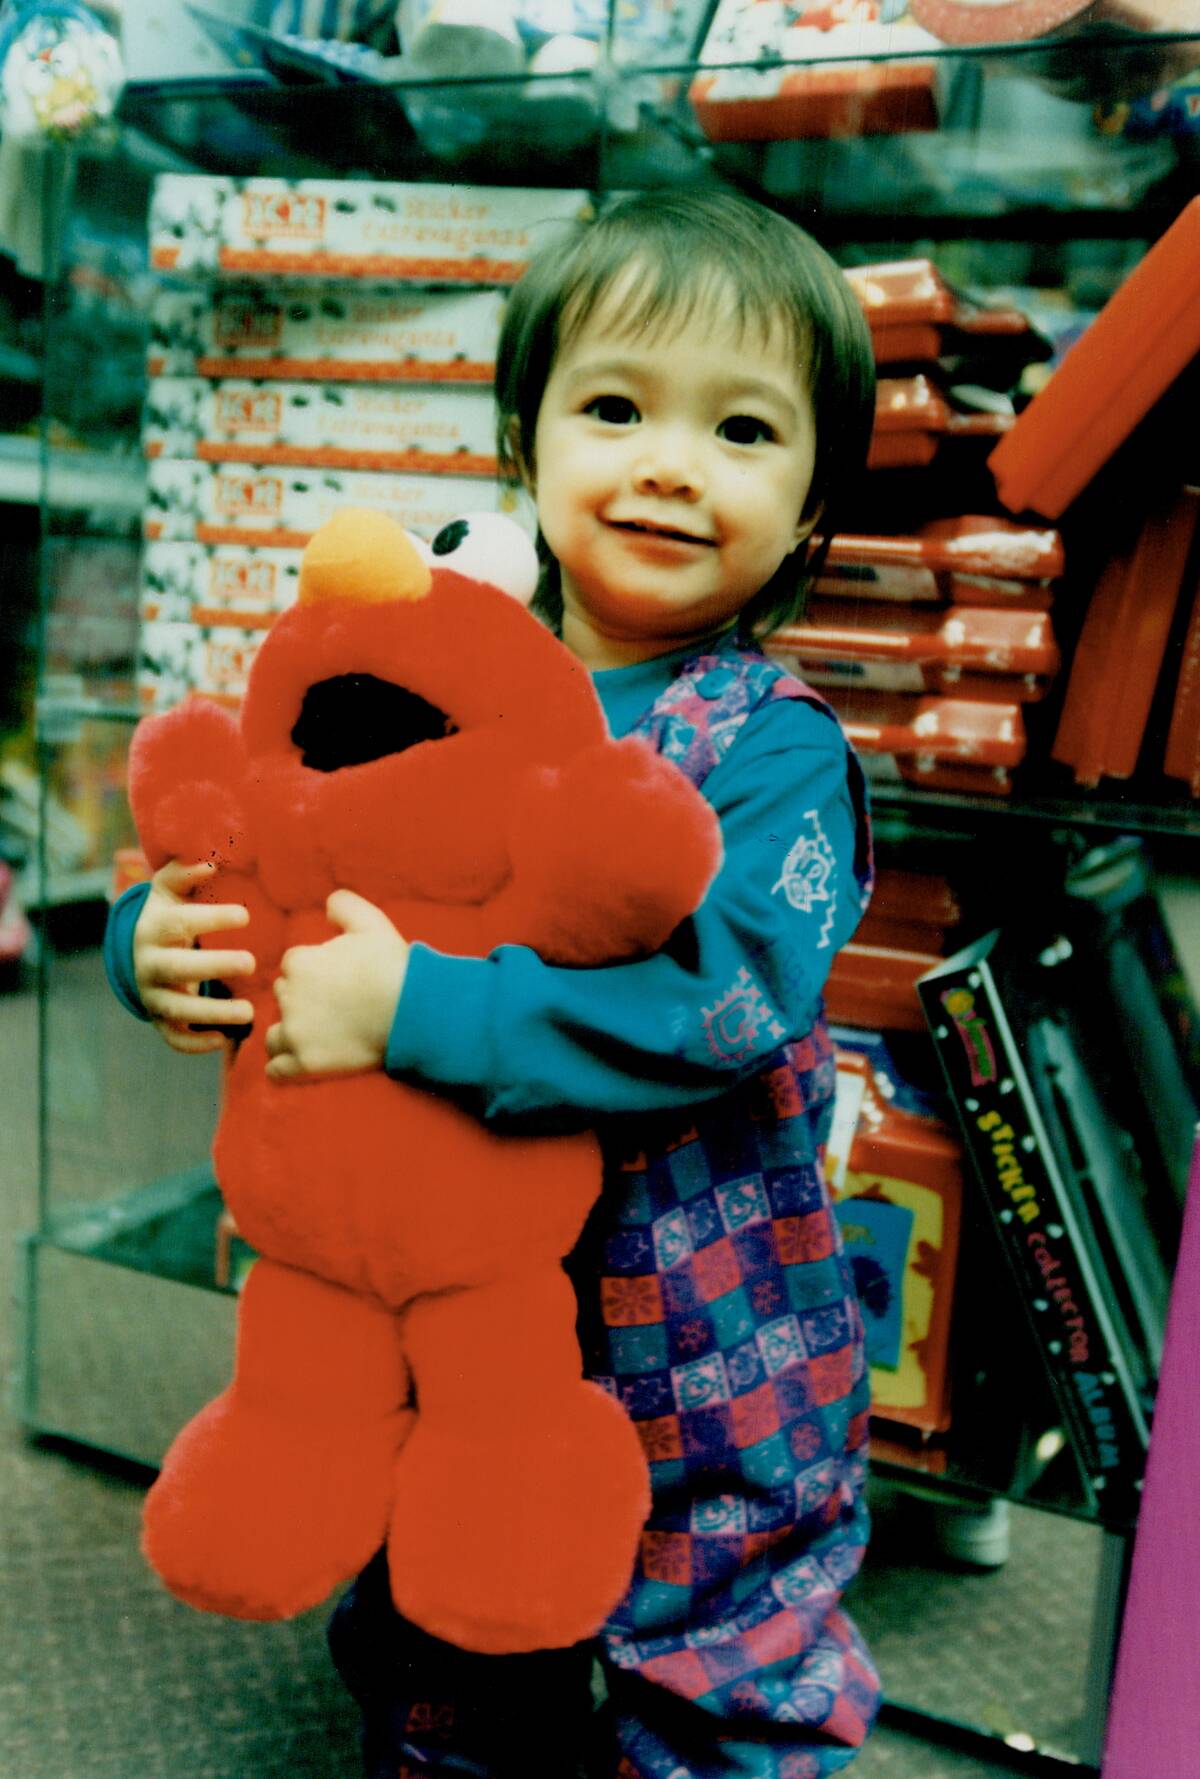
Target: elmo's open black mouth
356,717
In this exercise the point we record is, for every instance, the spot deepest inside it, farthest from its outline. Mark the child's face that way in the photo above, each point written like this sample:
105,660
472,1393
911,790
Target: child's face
672,469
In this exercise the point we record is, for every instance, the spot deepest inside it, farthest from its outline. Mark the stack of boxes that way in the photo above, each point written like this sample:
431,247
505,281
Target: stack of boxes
333,346
930,645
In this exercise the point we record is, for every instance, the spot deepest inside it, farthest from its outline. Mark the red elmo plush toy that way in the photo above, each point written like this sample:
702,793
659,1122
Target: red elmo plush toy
407,1367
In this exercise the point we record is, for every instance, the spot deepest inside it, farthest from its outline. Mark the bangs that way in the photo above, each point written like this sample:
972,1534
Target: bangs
655,293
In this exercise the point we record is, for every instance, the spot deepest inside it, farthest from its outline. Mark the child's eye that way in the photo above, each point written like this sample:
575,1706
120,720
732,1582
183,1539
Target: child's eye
614,410
744,429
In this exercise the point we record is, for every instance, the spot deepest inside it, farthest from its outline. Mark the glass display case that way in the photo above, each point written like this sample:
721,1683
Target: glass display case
1032,175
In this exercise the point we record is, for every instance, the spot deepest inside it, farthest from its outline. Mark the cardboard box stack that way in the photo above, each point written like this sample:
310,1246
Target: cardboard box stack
333,345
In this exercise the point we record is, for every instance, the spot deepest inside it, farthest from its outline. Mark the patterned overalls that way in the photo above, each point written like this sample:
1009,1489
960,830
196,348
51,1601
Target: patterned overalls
716,1303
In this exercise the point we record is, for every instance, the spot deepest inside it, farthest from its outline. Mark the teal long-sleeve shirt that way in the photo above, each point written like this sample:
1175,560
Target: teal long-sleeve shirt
519,1041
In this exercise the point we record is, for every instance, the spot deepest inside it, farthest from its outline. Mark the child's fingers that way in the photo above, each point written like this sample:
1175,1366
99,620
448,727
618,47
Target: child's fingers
180,877
206,917
185,1009
282,1062
188,1042
167,921
164,965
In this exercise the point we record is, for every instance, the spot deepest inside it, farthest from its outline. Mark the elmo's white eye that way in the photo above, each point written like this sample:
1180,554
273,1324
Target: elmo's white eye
489,547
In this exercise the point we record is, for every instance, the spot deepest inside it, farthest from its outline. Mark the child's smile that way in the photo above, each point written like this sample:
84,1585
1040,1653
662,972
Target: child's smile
672,468
656,537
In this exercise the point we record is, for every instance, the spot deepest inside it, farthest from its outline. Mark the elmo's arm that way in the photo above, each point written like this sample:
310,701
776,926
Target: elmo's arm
186,772
609,855
517,1039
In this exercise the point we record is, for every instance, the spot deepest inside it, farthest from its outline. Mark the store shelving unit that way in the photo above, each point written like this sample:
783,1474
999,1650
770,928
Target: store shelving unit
112,1222
85,479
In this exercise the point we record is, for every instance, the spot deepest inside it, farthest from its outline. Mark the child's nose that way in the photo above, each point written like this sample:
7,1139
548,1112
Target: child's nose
668,464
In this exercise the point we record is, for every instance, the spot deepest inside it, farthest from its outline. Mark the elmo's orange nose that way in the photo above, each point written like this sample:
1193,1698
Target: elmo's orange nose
362,555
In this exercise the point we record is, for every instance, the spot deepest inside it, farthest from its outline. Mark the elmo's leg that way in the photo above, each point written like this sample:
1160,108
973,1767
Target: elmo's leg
520,1497
280,1488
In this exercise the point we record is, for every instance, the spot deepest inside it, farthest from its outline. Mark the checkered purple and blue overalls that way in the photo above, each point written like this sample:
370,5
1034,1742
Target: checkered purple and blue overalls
716,1303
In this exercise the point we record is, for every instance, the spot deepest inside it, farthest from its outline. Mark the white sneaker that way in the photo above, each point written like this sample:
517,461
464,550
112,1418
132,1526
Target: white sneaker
976,1536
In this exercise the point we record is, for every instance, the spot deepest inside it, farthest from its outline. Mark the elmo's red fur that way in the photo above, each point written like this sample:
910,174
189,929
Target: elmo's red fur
407,1369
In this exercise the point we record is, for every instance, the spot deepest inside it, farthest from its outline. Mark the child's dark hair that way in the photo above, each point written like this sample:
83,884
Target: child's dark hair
688,249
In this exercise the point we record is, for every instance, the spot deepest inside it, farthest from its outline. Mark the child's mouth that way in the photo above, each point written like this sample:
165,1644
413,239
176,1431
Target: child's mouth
669,533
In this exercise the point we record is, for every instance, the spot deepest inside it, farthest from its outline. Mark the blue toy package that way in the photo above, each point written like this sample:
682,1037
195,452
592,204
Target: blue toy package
877,1236
60,70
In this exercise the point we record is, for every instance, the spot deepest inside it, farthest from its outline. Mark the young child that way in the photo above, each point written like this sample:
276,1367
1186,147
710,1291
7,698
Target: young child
686,387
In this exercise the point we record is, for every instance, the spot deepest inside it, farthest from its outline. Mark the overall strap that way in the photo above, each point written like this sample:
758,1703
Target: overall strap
696,720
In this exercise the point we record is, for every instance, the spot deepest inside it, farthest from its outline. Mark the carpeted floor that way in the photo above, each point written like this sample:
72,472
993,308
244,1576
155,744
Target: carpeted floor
102,1676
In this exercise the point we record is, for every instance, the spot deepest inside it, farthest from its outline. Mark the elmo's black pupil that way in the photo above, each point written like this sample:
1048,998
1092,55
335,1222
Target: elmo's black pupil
355,718
450,537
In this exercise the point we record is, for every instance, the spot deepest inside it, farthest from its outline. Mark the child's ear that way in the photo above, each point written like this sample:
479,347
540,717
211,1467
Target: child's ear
807,523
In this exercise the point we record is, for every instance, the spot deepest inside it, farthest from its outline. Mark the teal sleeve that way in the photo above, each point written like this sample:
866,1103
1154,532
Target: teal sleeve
118,947
520,1040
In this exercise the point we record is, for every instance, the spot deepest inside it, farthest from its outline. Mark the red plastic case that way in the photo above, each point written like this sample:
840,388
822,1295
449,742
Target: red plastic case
1138,344
985,641
1120,651
944,730
968,544
912,417
1182,759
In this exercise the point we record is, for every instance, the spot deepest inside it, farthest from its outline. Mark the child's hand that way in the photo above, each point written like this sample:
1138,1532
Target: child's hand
337,1000
169,968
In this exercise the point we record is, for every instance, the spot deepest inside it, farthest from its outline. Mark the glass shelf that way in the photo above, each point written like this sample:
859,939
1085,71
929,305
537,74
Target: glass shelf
1149,814
633,124
168,1228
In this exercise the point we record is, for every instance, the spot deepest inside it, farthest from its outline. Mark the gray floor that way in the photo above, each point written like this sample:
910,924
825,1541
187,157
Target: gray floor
102,1676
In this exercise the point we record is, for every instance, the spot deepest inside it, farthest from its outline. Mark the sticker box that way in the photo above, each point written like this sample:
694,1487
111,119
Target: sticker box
177,658
354,426
352,228
216,584
217,503
319,331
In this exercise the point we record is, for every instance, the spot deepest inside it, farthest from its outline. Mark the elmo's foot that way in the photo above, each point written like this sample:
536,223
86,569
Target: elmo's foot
522,1543
259,1518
